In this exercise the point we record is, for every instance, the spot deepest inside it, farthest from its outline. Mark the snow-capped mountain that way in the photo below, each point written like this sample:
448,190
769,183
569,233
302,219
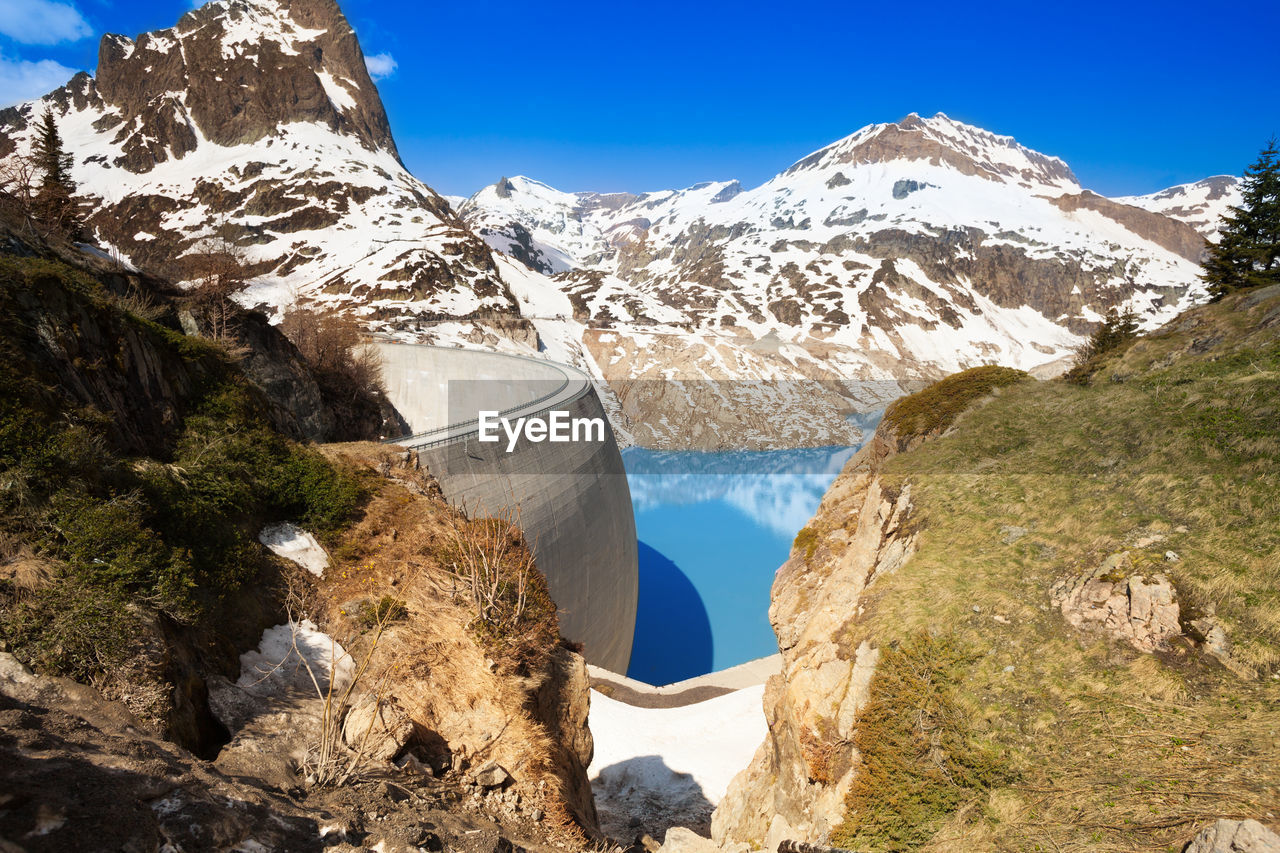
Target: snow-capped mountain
1201,204
924,244
256,121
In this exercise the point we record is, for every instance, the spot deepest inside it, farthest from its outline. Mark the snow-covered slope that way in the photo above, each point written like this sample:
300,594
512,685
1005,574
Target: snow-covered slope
1200,205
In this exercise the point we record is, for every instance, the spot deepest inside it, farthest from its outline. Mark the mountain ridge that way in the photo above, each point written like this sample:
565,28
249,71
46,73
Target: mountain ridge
902,252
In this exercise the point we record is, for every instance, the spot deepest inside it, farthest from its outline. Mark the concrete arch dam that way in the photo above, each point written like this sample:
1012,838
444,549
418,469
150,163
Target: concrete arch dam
572,496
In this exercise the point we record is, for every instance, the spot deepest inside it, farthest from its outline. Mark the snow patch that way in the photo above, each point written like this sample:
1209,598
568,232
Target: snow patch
337,90
295,657
675,763
293,543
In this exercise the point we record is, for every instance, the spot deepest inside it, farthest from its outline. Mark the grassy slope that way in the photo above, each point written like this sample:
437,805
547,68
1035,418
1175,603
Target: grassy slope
1110,749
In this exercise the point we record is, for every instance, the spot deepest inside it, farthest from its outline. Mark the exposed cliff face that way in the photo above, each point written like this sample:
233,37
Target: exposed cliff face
796,784
1173,234
244,69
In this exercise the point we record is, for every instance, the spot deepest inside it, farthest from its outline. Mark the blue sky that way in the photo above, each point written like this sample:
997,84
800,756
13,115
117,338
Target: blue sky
618,96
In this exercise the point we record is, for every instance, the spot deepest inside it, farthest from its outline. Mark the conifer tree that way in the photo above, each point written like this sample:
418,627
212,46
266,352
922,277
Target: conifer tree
56,205
1248,252
1115,330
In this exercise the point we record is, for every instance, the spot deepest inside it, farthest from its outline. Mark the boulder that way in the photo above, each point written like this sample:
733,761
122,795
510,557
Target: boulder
681,840
1210,633
1234,836
492,775
379,729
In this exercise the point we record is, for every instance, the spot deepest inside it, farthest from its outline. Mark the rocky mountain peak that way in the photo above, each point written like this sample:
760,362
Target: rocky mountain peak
941,140
255,122
232,72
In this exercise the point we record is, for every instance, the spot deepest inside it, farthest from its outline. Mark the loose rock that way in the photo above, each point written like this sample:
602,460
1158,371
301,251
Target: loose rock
492,775
1143,611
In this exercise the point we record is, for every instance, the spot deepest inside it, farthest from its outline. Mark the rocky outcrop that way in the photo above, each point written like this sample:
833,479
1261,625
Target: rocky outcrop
1128,606
796,784
297,404
1174,235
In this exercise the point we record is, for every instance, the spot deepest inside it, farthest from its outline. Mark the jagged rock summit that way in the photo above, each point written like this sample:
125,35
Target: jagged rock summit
241,69
942,140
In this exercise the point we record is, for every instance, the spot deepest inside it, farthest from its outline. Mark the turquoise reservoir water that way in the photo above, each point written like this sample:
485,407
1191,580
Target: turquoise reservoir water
714,528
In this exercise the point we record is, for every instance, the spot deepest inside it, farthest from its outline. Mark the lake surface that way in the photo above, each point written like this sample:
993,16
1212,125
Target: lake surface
713,530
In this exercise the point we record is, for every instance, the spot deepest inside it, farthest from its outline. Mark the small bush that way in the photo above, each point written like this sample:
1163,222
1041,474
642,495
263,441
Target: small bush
821,753
347,369
383,612
935,408
308,488
920,758
515,619
110,547
807,541
70,629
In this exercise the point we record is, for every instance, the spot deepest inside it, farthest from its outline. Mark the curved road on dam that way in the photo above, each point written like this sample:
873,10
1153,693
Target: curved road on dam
572,498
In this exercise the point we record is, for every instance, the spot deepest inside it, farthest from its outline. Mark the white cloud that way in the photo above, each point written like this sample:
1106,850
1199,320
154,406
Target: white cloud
380,65
42,21
21,80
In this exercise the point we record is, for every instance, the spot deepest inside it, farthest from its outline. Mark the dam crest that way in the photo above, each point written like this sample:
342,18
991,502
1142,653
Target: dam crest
571,497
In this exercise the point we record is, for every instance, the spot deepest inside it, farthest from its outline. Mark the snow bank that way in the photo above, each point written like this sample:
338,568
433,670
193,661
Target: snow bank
672,765
287,658
294,543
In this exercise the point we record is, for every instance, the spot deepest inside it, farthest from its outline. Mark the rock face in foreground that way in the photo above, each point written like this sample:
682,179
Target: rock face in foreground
794,787
81,775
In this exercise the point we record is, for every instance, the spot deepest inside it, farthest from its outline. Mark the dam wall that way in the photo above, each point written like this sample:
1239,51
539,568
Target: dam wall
572,498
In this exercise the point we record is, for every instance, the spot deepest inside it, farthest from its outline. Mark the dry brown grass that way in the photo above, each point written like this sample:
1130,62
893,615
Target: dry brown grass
821,752
431,661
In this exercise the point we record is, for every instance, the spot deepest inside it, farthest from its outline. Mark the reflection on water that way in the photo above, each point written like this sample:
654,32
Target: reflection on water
713,530
776,489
